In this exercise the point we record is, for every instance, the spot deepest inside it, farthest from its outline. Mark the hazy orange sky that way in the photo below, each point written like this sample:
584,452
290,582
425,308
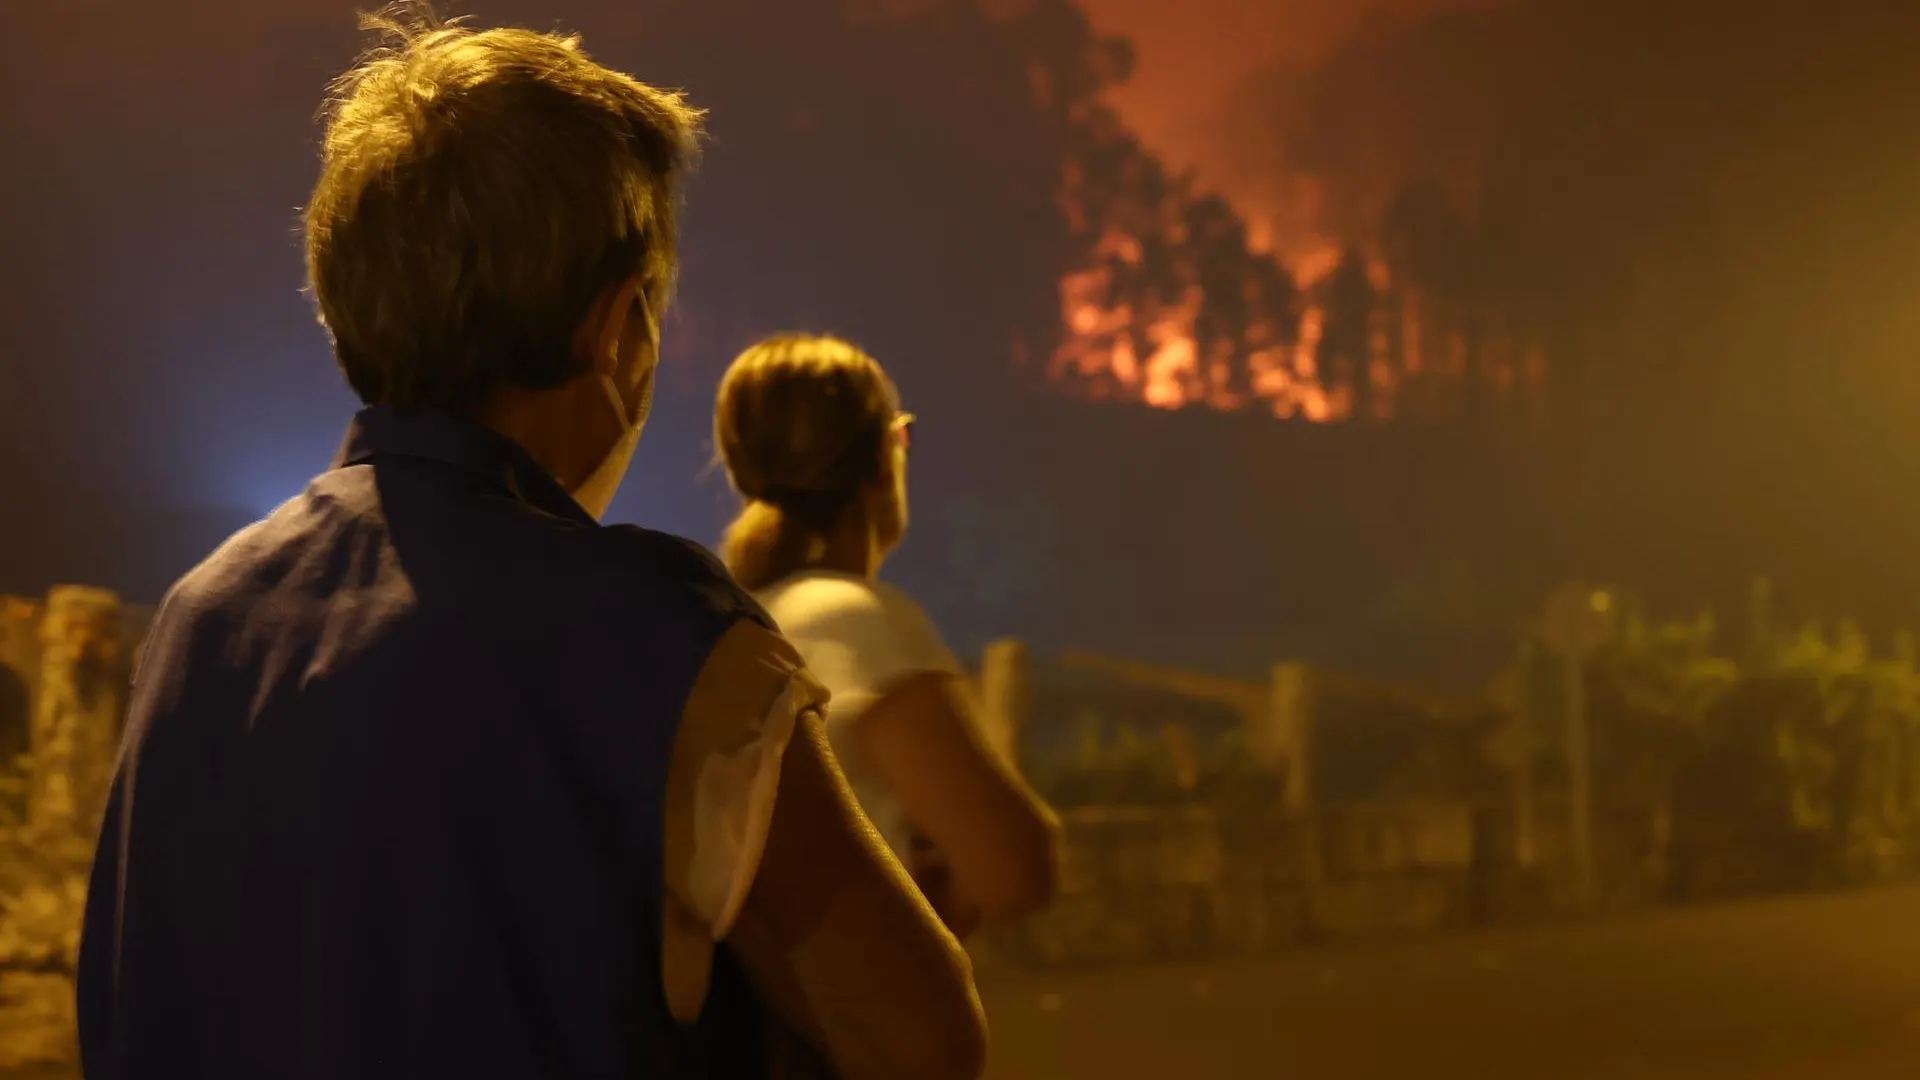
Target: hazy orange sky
1193,55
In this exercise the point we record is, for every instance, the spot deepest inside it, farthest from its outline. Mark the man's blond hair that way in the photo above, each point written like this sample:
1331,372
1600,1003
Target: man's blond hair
479,190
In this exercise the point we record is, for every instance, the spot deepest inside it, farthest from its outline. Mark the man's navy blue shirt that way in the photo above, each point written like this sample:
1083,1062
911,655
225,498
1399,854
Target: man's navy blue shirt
390,799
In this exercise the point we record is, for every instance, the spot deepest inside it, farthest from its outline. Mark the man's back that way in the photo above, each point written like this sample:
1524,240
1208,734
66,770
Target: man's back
375,815
429,775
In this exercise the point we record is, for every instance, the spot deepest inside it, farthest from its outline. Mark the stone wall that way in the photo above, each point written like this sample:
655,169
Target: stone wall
1182,882
1144,883
65,665
64,670
77,708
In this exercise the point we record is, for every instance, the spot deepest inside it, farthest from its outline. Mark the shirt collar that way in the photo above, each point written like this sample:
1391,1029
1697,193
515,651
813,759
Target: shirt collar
432,435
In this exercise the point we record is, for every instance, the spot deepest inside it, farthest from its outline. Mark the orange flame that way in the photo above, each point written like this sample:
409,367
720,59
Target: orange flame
1098,355
1134,332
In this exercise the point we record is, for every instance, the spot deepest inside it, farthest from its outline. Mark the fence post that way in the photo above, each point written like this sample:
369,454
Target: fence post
1005,696
1578,620
1284,741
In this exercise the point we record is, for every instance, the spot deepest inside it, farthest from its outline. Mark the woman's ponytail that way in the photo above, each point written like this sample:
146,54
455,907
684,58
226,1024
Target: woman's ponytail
765,544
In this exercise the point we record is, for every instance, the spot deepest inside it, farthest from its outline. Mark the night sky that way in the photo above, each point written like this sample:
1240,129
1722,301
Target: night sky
165,381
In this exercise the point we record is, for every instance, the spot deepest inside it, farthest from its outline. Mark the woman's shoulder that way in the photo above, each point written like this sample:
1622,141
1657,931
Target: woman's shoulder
811,589
813,602
812,598
896,599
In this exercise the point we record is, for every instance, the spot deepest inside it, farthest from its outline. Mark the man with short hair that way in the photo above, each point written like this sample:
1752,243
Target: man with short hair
430,774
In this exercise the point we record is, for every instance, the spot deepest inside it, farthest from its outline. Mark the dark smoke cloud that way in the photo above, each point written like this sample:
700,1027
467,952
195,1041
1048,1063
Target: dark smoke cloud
1710,209
1201,94
1739,150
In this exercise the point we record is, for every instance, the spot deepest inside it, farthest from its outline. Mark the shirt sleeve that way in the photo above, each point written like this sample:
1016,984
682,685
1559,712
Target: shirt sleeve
725,770
919,645
862,639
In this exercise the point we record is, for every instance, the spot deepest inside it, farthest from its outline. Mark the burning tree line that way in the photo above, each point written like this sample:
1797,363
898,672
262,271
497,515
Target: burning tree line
941,179
1176,303
993,194
1177,307
1673,206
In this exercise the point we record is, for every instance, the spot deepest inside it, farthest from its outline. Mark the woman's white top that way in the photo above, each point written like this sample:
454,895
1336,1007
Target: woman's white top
859,638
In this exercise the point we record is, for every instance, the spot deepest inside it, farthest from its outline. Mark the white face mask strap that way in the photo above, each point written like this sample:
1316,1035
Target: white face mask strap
628,414
621,410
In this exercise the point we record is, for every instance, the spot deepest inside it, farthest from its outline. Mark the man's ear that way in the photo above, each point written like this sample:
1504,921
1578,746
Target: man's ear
620,313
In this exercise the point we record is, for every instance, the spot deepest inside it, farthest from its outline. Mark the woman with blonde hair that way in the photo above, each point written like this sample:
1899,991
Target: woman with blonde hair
813,438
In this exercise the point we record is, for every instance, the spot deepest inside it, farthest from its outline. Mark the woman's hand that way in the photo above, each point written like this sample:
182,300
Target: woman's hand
790,1058
930,871
922,741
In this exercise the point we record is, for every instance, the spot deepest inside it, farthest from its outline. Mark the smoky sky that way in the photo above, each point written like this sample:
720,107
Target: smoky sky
1716,203
1205,71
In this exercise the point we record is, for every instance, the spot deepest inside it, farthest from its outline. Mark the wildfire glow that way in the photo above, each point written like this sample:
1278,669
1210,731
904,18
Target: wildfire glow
1099,357
1298,324
1111,351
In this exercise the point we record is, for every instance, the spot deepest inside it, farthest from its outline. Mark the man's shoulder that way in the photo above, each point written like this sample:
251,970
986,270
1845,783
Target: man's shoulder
673,575
226,574
663,605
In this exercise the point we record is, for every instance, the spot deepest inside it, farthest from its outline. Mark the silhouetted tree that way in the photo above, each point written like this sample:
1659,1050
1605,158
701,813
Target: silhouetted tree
1344,355
1424,242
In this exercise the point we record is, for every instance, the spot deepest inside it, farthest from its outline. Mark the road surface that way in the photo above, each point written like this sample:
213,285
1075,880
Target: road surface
1821,988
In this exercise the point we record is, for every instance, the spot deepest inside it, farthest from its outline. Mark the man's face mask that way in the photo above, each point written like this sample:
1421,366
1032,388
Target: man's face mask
630,405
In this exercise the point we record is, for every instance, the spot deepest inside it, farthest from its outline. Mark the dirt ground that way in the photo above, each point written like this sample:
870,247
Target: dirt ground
1818,988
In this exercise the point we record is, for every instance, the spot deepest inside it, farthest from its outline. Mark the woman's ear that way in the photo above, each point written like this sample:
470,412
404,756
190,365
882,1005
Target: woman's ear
889,466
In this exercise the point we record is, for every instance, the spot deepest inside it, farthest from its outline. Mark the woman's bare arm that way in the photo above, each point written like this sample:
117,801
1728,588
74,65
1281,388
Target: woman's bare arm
766,849
999,841
843,947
